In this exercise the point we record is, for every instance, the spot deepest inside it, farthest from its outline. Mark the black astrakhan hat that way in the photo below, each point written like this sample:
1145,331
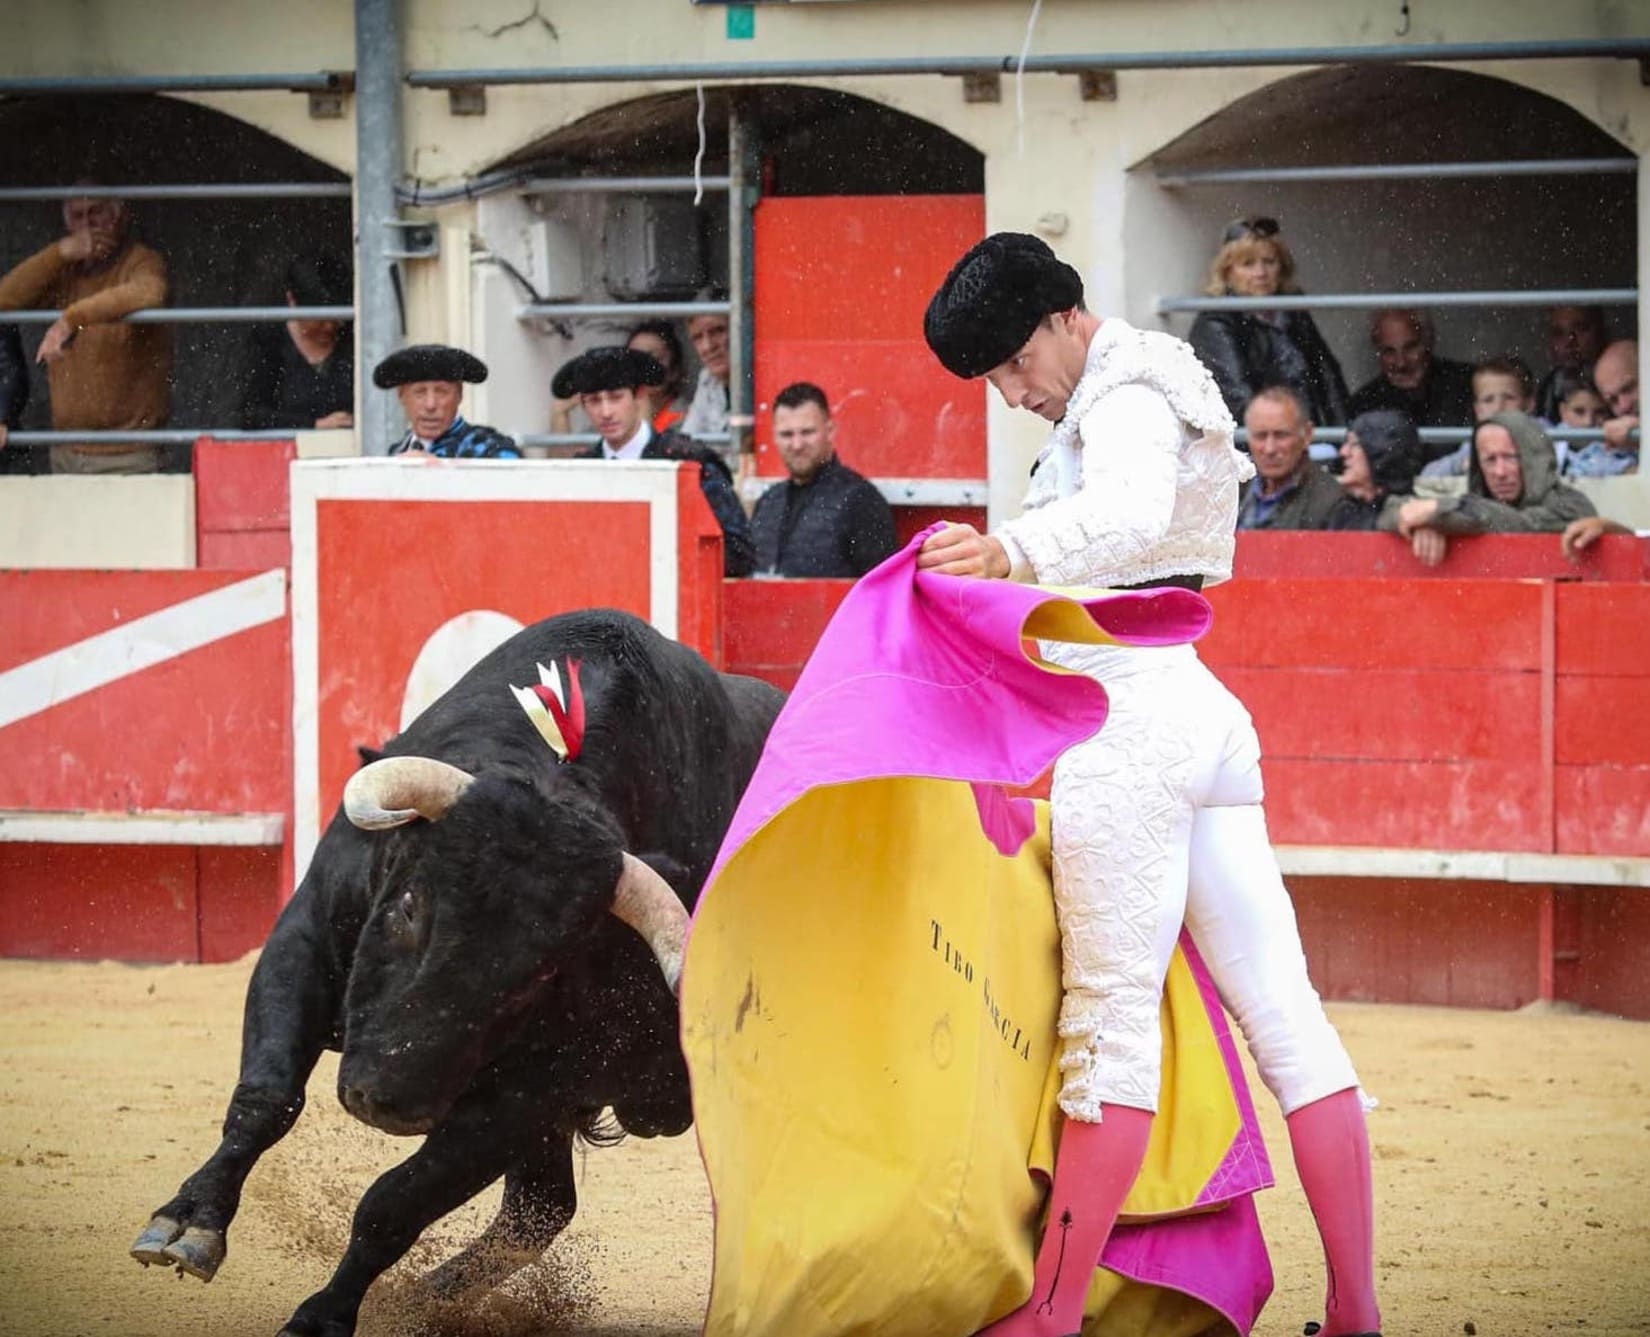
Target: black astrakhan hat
428,362
992,300
611,367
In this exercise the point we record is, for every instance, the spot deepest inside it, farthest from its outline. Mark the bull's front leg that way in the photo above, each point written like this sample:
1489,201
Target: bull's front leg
291,1007
457,1161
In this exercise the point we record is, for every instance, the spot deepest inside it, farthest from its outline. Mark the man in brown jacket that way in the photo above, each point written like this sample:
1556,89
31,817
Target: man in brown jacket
104,373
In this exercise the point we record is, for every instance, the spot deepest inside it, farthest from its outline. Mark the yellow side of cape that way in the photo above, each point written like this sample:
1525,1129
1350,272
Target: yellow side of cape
869,1009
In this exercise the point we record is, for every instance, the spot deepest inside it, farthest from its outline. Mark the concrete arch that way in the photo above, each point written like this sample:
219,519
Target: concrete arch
218,252
1487,233
817,140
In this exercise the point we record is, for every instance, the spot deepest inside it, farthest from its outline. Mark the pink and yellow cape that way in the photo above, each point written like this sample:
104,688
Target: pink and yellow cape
872,982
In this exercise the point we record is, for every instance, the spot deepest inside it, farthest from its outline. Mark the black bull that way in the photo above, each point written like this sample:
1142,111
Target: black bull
469,968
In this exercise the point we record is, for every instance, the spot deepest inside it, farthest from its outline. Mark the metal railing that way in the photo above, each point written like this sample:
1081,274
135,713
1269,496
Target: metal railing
199,315
619,310
1427,171
1371,301
1626,48
225,190
156,436
321,81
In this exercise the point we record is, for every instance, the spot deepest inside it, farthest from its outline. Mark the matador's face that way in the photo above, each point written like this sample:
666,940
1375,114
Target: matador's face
1042,375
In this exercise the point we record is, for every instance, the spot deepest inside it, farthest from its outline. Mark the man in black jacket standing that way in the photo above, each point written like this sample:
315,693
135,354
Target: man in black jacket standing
827,520
605,381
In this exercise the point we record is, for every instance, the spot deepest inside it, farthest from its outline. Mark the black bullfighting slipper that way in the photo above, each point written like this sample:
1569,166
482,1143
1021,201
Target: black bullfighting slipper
1313,1327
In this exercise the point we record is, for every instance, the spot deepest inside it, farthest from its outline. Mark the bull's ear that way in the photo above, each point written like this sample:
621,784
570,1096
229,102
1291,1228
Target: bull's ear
367,754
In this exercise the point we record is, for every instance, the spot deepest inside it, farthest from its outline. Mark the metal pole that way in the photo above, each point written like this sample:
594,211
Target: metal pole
1429,171
648,185
1369,301
377,166
620,310
741,342
1625,48
201,315
1454,436
323,81
249,190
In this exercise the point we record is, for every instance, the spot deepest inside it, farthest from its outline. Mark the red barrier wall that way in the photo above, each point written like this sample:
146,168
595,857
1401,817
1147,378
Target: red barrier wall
1499,702
205,730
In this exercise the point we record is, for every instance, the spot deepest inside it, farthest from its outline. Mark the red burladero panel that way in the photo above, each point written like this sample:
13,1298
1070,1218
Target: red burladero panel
841,286
392,572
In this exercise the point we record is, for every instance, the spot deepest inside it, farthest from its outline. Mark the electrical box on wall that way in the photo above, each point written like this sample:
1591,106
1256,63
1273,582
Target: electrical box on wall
554,259
652,247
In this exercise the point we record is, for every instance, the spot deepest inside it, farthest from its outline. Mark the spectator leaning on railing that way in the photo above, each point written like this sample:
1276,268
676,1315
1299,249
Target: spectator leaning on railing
104,374
1512,487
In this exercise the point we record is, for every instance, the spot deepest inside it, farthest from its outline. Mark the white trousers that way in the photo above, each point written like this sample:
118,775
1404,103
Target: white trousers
1157,821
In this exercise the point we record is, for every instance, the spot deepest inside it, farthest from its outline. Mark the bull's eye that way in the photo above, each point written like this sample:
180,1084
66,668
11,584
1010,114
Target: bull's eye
404,919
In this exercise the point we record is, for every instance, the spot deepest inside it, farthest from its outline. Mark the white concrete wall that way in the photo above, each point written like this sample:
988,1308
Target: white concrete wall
141,522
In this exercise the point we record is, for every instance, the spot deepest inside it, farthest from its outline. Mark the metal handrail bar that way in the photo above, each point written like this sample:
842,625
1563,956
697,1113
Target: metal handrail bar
324,81
591,438
712,71
1454,436
618,310
157,436
222,190
1431,171
200,315
1347,301
587,185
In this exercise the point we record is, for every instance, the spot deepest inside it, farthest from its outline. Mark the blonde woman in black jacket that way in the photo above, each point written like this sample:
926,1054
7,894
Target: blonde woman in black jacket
1246,351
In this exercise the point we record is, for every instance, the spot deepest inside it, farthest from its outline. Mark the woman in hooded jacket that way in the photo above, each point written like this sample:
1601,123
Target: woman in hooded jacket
1379,460
1246,351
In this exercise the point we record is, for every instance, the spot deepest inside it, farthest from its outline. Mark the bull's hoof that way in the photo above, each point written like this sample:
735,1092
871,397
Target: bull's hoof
150,1246
198,1252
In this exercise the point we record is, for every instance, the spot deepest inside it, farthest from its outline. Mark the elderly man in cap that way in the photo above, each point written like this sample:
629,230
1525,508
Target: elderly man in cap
1157,821
605,381
429,380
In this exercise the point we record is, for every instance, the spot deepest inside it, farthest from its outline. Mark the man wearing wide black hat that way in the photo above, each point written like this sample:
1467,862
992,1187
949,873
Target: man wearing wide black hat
605,381
1157,821
429,380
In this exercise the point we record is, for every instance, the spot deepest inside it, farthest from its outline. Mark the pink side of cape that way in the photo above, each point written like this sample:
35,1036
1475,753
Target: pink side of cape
925,675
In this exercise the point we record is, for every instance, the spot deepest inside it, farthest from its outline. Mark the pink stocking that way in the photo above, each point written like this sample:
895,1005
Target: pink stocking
1331,1145
1093,1171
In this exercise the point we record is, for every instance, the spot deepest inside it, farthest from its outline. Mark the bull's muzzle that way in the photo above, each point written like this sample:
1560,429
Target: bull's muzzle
394,790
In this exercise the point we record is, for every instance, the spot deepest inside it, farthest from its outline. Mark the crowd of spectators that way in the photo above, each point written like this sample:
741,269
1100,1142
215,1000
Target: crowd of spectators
1590,382
1275,370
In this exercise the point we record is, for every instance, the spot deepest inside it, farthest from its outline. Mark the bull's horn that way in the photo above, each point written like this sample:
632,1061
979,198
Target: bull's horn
645,901
394,790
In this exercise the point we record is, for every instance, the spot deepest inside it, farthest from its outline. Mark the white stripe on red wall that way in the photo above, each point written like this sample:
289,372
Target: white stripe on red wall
141,643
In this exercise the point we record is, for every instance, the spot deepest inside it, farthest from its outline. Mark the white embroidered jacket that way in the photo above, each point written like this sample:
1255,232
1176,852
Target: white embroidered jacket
1140,478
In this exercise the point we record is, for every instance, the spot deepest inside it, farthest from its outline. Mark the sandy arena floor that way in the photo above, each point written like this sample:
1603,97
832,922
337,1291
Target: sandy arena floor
1513,1174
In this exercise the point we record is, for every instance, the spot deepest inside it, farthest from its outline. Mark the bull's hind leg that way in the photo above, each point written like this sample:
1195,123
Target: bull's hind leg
457,1161
539,1201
